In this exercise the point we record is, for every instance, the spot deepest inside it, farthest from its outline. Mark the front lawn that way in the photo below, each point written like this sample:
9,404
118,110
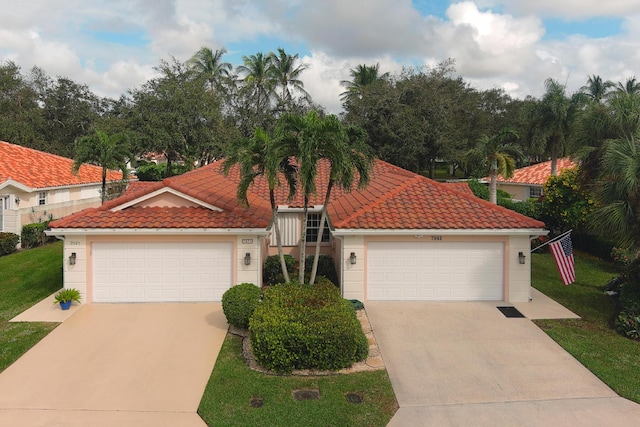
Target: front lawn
226,401
27,278
592,339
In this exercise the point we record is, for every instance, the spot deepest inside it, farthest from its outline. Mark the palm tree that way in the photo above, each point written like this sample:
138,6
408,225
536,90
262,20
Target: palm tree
500,153
618,192
596,89
631,86
264,156
362,76
258,77
106,151
550,121
209,63
286,71
348,156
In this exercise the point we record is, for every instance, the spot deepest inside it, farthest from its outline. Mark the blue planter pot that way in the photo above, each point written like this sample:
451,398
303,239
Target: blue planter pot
65,305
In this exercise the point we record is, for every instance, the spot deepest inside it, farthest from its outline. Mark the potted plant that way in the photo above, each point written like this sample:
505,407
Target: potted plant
66,296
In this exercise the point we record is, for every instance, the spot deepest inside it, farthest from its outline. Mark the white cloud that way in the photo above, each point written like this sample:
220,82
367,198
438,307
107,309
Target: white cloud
495,43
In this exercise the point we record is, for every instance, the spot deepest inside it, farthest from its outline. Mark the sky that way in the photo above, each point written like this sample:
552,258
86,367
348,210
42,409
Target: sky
114,45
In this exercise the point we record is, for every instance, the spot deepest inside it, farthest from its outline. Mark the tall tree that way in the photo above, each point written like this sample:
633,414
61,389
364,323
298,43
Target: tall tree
209,63
175,114
349,158
363,75
631,86
286,70
596,88
618,192
258,79
265,156
106,151
500,154
550,121
313,137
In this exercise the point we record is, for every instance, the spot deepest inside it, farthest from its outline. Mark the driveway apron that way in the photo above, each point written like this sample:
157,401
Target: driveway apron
465,363
117,364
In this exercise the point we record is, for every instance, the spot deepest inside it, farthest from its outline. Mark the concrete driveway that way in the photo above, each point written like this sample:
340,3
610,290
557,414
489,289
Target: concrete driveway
466,363
117,364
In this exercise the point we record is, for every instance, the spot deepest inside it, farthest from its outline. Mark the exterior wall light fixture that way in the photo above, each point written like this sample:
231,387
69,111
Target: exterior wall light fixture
247,259
352,258
521,257
72,258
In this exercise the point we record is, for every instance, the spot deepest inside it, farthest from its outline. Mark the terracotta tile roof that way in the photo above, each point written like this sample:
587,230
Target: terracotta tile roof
395,199
462,187
37,169
156,217
538,173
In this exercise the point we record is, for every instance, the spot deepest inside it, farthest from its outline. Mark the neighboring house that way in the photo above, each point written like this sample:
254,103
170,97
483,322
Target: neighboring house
527,182
36,186
404,237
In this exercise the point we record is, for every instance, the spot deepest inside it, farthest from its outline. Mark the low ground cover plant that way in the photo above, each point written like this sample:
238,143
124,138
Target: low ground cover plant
306,327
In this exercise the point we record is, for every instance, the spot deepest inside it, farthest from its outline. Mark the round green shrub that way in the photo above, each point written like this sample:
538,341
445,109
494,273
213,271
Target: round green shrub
8,243
272,271
306,327
239,303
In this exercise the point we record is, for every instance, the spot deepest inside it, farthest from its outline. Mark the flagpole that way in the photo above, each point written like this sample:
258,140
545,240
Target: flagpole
552,240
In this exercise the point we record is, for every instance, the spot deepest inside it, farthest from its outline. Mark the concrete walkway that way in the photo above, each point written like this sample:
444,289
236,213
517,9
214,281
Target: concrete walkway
117,364
458,364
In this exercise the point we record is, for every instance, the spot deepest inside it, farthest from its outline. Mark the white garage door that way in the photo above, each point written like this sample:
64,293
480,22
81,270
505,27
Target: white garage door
146,272
438,271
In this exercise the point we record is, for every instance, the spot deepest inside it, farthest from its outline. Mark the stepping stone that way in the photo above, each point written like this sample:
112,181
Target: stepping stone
306,394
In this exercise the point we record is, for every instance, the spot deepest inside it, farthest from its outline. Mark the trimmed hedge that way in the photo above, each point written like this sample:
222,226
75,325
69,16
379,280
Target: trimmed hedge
239,302
8,243
326,268
32,235
272,271
306,327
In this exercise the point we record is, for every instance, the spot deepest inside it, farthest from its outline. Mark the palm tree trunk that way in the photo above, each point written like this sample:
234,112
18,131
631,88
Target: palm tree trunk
493,183
323,218
303,240
276,224
104,184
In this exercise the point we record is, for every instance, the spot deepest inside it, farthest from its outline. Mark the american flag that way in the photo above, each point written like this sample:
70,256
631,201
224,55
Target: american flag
562,251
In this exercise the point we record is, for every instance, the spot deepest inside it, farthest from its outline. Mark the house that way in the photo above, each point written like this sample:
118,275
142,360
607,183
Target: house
36,186
527,182
403,237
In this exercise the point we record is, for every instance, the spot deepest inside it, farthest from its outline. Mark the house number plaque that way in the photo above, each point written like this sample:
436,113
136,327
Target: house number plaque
436,237
247,241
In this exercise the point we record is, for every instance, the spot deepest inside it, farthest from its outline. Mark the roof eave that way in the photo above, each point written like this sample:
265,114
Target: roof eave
442,232
155,231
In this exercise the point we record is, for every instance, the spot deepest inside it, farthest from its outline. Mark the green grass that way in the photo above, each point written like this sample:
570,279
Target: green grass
233,384
591,339
27,277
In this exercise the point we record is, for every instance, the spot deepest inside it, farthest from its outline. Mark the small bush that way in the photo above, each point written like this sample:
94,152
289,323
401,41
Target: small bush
272,271
326,268
629,324
32,235
8,243
239,302
306,327
479,190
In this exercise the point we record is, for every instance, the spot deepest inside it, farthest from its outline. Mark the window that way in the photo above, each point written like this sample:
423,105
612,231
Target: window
42,198
313,226
535,192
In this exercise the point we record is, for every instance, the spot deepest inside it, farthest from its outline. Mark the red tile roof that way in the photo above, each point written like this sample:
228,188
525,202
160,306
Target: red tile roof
538,173
395,199
37,169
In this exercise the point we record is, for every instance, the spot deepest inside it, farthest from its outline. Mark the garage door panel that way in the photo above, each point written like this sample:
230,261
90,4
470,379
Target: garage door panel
435,271
138,272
